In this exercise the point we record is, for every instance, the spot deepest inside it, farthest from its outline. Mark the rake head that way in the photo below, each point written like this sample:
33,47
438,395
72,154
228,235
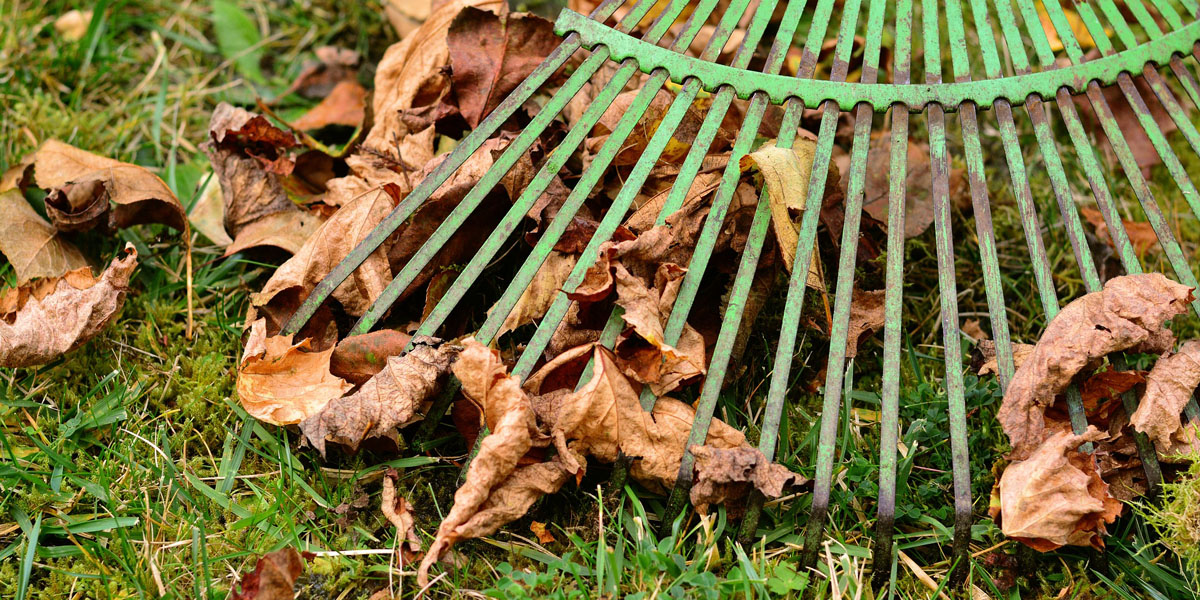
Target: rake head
980,77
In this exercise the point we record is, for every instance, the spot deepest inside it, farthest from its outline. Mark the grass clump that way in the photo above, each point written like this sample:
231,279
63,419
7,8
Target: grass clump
1176,517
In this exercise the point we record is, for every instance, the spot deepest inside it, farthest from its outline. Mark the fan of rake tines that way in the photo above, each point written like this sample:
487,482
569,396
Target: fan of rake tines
770,103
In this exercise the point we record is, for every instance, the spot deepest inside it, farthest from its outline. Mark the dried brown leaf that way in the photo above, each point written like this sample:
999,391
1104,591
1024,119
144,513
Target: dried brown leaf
727,476
273,577
50,317
32,246
282,382
490,55
1129,313
985,362
82,186
359,357
397,396
321,77
345,105
287,230
1169,386
399,512
1141,234
1056,497
541,292
866,316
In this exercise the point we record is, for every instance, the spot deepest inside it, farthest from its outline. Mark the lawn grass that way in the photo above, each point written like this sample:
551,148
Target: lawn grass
128,468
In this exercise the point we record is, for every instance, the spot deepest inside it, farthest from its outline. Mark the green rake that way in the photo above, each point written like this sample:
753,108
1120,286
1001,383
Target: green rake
997,84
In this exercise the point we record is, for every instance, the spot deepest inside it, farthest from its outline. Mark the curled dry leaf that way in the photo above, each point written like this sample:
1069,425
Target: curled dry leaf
786,173
541,292
399,512
496,490
1128,314
32,246
727,475
345,105
397,396
328,246
543,535
1169,386
283,383
1056,497
45,319
85,188
491,55
319,78
286,230
273,578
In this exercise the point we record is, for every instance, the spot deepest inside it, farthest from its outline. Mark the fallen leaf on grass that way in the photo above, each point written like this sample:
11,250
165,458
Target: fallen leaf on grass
398,512
395,397
727,475
282,382
32,246
496,490
73,24
82,185
287,230
1169,386
1128,314
320,78
1141,234
49,317
543,535
273,577
985,362
1056,497
490,55
918,201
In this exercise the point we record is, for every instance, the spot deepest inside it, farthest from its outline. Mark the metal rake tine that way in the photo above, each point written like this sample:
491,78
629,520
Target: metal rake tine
1185,76
948,290
881,559
973,153
831,408
798,281
323,290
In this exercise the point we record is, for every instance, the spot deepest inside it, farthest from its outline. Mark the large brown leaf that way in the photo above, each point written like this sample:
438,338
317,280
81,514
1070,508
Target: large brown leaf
50,317
490,55
32,246
282,382
495,491
1056,497
82,186
395,397
541,292
328,246
1128,314
1169,386
727,476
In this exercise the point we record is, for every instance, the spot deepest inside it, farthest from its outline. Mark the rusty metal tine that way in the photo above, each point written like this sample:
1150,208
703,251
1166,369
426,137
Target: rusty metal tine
1150,73
442,172
835,369
882,557
948,291
1174,21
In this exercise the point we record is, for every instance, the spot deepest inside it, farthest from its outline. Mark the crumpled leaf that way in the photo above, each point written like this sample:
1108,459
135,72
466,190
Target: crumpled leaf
32,246
866,316
399,512
359,357
397,396
727,475
361,212
273,577
1128,313
1169,386
85,187
786,174
281,382
49,317
496,491
491,55
287,230
985,362
249,156
1056,497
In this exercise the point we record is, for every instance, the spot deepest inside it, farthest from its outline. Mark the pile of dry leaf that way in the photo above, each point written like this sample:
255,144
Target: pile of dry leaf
1053,492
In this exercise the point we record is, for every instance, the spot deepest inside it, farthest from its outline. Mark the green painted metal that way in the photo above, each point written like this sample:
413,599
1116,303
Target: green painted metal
997,84
881,96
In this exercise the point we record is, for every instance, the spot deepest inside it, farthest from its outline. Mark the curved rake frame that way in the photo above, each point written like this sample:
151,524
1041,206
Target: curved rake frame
997,91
